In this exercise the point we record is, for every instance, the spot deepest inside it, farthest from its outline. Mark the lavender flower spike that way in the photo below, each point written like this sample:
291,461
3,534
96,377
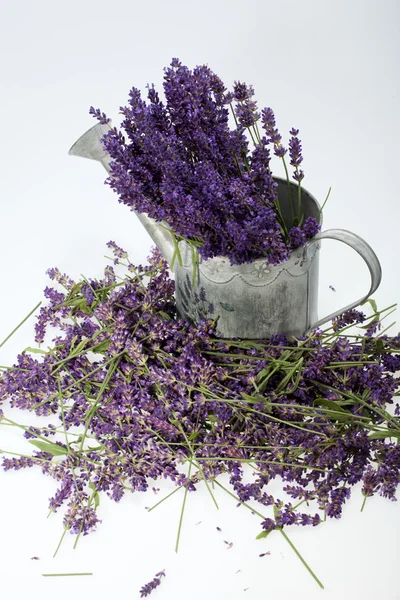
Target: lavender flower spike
269,125
296,157
149,587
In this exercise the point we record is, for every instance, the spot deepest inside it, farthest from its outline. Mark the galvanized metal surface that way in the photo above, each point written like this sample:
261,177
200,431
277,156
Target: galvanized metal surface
256,300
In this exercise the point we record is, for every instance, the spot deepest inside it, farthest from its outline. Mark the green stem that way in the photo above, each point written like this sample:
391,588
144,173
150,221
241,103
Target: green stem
64,574
299,215
183,508
197,464
323,205
60,542
363,504
165,498
22,322
99,395
257,461
289,187
293,547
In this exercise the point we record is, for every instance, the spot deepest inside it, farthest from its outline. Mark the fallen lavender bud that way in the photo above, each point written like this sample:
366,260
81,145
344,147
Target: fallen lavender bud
152,585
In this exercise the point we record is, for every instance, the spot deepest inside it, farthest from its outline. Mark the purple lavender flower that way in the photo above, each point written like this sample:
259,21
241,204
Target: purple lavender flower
295,153
311,227
152,585
297,237
99,115
246,108
269,125
350,317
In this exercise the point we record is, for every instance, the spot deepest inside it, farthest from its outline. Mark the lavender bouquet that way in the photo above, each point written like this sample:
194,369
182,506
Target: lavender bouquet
184,165
131,395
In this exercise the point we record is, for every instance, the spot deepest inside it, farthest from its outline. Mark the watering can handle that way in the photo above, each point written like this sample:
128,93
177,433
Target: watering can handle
364,250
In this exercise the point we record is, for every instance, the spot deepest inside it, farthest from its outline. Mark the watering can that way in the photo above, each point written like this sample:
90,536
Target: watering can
252,300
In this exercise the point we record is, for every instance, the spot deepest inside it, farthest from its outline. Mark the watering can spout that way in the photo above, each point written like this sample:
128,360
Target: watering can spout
89,146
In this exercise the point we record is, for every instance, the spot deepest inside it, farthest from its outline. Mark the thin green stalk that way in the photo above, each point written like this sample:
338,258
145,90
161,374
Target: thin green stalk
25,456
197,464
383,414
99,395
289,187
3,368
183,508
323,205
252,136
60,542
293,547
64,574
14,424
363,504
296,506
299,216
165,498
257,132
20,324
65,431
275,419
256,460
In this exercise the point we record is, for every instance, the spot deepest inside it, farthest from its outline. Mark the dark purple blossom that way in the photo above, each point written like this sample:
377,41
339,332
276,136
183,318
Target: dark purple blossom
311,227
297,237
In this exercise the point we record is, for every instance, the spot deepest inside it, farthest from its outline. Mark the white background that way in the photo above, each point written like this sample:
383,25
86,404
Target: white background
326,67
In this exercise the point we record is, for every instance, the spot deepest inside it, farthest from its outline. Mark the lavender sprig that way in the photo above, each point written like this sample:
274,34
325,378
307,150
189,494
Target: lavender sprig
152,585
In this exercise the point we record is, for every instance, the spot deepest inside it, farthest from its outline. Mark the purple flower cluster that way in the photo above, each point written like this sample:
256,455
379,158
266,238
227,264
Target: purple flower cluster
150,394
181,163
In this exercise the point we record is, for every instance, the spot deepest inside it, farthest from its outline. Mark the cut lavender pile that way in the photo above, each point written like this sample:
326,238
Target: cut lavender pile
182,162
132,394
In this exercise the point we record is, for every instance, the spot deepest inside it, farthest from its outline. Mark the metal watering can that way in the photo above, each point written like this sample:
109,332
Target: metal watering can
250,301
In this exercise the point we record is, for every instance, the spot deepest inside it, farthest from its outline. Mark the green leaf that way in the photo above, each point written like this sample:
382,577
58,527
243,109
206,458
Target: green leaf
96,497
332,407
372,303
76,302
80,346
262,535
212,418
102,347
227,306
73,343
282,385
34,350
164,315
49,447
75,289
378,435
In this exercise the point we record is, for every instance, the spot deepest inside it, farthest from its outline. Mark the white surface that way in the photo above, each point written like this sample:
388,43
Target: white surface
326,67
